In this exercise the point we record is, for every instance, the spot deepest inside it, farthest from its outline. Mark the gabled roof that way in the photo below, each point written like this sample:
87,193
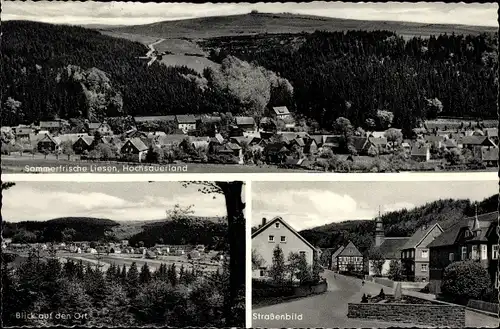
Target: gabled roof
350,250
299,141
421,233
434,139
54,140
449,237
281,110
276,147
244,121
337,252
185,118
450,143
210,119
359,143
86,139
391,247
475,140
50,124
332,140
419,150
318,139
137,143
279,219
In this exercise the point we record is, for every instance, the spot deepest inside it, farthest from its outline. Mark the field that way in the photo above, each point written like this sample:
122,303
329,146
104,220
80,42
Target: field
209,27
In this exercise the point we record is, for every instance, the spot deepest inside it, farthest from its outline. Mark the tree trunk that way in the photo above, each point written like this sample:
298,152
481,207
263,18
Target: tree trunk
237,251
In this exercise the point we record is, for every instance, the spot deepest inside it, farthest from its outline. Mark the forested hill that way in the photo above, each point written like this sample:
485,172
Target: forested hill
398,223
368,77
58,229
375,79
55,71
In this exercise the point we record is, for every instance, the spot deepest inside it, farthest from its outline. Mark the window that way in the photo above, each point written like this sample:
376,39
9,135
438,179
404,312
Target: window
423,267
484,252
494,252
412,267
464,253
283,238
451,257
261,273
271,238
412,253
277,225
424,253
474,252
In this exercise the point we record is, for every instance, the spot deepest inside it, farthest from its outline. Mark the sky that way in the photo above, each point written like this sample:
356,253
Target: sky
305,205
116,201
131,13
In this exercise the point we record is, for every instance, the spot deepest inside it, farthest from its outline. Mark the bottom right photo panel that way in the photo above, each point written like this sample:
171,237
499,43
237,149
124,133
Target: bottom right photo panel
375,254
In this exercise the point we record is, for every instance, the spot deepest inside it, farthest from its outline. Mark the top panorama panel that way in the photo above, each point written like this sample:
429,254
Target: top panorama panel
249,88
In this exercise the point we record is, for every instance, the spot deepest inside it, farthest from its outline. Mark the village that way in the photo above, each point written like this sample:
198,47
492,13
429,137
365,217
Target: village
278,140
360,287
122,254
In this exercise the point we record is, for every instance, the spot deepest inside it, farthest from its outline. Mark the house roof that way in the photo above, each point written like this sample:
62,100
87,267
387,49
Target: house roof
378,140
449,236
185,118
391,247
491,132
419,150
233,146
337,252
281,110
55,140
87,139
152,118
94,125
482,223
421,233
450,143
300,142
276,147
434,139
331,140
377,134
489,154
210,119
244,121
138,144
475,140
350,250
50,124
279,219
217,139
359,143
71,137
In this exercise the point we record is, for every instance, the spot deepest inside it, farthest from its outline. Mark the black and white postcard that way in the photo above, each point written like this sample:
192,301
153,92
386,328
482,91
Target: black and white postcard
123,254
124,87
375,254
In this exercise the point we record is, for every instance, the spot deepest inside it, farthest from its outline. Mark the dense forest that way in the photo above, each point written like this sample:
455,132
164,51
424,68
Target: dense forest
357,73
375,79
52,71
188,230
59,230
397,223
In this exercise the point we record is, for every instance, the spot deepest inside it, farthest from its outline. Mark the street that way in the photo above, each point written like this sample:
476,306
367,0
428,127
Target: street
330,309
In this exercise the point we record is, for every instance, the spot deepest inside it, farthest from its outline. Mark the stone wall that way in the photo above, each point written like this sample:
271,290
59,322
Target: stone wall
430,314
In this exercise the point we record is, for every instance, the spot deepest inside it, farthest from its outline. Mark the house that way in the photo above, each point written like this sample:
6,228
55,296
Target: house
169,141
420,153
332,142
388,247
103,128
277,232
51,126
360,144
471,142
186,122
489,156
436,141
350,259
134,146
377,142
415,253
310,147
148,123
83,144
276,152
334,263
245,123
268,124
23,132
449,144
48,143
473,238
236,150
281,112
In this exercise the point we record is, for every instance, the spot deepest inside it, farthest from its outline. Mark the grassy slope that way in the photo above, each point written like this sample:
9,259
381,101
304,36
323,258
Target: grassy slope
284,23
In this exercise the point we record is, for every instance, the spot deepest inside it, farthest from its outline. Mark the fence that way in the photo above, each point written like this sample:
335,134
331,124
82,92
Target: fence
483,306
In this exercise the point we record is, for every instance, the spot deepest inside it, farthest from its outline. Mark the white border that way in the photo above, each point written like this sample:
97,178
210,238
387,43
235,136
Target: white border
307,177
248,255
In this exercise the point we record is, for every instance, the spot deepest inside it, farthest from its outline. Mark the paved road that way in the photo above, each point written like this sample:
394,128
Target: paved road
330,309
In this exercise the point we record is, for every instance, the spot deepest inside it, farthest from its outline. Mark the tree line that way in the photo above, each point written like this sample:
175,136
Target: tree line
169,296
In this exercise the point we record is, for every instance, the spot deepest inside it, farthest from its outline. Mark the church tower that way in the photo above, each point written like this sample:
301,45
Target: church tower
379,230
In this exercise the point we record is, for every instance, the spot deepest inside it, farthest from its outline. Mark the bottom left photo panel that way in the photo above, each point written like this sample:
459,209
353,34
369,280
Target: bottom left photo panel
123,254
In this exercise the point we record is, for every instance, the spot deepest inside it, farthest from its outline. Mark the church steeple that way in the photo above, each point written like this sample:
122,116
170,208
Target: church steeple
379,230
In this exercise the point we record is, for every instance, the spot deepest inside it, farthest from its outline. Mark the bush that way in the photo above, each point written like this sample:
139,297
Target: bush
381,293
465,280
364,299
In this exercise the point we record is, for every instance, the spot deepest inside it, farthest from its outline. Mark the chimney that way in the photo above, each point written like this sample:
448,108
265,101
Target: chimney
264,220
